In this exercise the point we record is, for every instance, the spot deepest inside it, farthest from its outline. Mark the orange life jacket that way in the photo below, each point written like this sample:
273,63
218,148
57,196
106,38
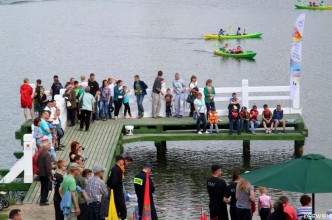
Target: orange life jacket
213,119
123,170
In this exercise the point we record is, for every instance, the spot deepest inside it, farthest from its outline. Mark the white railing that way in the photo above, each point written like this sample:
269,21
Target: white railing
224,94
221,99
29,146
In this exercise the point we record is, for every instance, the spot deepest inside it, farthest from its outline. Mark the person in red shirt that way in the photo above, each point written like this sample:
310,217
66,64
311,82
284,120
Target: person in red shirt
289,210
267,119
254,123
234,119
26,98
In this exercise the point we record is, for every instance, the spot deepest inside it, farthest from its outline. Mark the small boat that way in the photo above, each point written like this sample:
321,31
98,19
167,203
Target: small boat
327,7
246,54
233,36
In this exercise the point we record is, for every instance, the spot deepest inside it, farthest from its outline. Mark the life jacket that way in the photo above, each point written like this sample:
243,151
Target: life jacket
244,114
267,113
213,119
235,116
253,115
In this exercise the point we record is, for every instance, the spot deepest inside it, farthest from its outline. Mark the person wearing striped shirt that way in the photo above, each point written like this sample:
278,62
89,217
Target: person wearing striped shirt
305,211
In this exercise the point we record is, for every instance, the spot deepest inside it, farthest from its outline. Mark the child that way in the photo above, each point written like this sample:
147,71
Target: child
37,133
244,118
264,204
254,123
234,118
213,120
266,119
42,99
238,32
277,118
126,102
169,103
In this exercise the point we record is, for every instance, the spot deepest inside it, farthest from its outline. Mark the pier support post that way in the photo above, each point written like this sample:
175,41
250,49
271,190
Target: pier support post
298,148
246,154
161,147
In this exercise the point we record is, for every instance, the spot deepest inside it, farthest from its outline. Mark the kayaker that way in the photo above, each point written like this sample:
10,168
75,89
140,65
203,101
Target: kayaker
310,4
238,31
321,3
314,4
221,32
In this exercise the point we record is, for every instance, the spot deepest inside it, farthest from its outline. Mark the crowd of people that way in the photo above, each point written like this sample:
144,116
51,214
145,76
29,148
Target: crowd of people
240,196
81,193
88,102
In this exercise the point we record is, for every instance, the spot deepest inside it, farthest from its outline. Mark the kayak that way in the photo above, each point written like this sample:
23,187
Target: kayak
246,54
233,36
327,7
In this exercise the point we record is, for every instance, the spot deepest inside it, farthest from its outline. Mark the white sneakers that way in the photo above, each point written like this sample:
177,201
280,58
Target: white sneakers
204,132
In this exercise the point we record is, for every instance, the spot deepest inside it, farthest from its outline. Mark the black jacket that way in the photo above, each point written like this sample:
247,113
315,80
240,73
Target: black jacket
115,180
139,183
44,164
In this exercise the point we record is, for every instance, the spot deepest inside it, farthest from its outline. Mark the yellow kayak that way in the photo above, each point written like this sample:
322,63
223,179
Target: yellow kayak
233,36
327,7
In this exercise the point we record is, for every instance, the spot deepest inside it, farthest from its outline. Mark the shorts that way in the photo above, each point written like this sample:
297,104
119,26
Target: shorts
26,106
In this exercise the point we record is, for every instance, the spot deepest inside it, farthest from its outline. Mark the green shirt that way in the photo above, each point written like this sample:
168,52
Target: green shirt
138,89
80,181
78,92
69,184
88,100
208,93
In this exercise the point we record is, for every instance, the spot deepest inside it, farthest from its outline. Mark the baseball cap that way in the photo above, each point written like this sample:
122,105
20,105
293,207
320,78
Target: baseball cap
44,138
97,169
74,166
119,157
148,164
215,167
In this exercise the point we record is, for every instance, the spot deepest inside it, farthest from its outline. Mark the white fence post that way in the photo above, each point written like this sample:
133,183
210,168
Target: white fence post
296,100
27,158
245,93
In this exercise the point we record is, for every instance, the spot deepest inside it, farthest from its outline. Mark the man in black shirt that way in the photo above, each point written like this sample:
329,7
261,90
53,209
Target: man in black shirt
56,87
230,193
94,90
157,94
115,182
216,188
278,213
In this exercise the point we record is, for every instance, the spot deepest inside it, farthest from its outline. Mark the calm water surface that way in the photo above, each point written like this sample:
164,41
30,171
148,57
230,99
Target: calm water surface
122,38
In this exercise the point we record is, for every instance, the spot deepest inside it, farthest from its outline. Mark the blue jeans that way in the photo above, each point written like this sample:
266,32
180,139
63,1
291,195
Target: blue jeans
209,105
201,119
139,100
104,106
245,124
231,126
254,125
95,211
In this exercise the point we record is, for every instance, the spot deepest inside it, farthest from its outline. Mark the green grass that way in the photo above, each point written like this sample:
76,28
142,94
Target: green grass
3,217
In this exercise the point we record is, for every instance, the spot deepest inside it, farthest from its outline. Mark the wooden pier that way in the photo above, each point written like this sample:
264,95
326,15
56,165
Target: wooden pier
105,140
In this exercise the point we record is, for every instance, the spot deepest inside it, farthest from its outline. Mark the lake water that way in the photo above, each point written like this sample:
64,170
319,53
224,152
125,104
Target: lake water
121,38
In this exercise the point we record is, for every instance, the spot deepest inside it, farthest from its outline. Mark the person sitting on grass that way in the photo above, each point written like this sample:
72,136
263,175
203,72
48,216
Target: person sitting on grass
234,118
266,119
213,120
254,123
277,119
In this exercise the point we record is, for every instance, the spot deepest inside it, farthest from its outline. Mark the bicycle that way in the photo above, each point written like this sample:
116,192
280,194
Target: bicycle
3,201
